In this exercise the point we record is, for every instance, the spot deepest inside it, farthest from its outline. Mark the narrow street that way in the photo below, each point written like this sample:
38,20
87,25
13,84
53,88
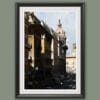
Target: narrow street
38,81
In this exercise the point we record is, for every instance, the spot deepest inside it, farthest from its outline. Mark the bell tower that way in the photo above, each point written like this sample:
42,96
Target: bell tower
62,47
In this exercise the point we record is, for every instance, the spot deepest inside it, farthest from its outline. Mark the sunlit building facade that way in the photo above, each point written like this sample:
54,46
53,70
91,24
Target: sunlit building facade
71,61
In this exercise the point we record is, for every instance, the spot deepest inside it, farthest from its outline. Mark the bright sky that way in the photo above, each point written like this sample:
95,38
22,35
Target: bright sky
68,20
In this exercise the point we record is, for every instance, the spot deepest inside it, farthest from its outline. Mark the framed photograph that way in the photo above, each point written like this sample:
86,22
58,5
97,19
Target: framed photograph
50,50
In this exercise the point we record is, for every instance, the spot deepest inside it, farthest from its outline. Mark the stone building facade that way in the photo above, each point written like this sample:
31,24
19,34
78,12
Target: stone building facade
45,52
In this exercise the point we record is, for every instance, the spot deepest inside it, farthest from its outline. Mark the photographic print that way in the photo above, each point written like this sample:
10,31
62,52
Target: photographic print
50,50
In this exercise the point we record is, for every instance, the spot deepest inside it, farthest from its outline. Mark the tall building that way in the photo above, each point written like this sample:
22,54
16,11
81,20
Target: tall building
60,48
38,39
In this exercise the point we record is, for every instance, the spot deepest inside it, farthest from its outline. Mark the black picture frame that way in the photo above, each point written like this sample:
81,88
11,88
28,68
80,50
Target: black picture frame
17,50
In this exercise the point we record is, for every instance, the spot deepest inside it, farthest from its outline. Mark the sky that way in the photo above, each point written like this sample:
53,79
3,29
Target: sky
68,21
